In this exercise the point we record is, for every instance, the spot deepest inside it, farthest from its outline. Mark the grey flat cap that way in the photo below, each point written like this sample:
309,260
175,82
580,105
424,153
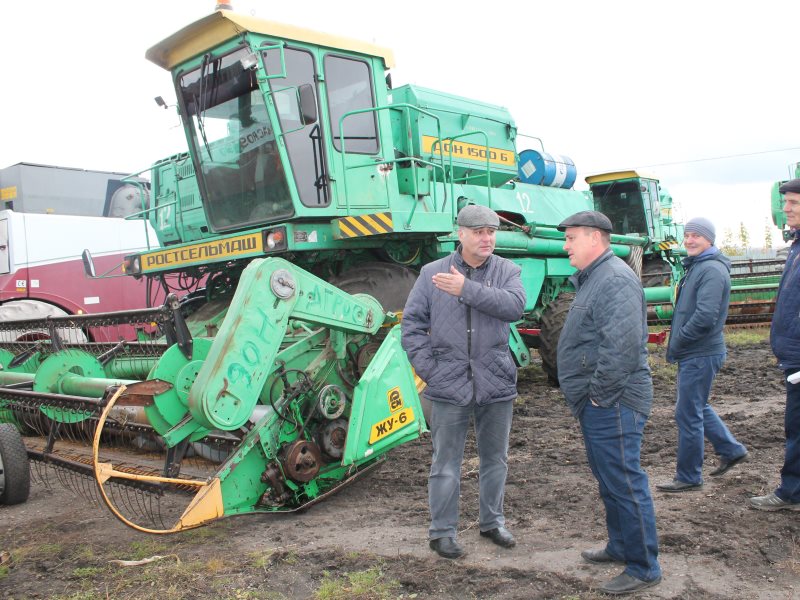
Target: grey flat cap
793,185
476,216
586,218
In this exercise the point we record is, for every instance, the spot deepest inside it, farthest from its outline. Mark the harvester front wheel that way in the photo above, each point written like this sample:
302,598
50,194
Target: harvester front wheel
656,273
15,475
553,320
389,283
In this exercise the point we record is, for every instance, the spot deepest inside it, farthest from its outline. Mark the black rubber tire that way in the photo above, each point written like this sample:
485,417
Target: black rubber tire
15,475
634,260
656,273
390,284
553,320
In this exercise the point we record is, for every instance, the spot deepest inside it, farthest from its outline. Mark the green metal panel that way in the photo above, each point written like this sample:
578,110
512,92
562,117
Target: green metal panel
533,273
386,411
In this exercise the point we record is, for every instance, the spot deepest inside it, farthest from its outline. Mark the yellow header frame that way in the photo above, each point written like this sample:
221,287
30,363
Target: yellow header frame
222,26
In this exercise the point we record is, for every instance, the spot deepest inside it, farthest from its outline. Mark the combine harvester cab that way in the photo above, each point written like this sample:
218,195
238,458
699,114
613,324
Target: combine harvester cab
310,195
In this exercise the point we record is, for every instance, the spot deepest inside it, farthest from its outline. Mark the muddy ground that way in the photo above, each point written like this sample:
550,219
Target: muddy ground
369,540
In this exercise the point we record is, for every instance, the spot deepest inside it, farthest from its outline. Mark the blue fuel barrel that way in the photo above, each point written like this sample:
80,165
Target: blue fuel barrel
552,170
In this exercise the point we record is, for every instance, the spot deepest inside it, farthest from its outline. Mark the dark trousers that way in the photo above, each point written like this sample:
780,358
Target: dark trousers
696,419
789,489
613,440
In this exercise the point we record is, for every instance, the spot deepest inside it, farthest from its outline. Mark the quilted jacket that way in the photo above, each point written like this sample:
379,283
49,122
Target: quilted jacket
701,308
602,351
785,330
459,345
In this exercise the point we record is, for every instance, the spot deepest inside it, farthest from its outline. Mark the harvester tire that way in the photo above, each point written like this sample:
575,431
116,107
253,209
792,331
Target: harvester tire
656,273
553,320
15,475
390,284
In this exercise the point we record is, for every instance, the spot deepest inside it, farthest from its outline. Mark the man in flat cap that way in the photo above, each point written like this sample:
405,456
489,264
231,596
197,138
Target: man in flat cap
785,340
697,344
605,378
456,332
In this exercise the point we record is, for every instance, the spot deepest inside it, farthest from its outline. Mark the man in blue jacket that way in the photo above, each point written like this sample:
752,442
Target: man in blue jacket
785,339
697,344
603,372
456,333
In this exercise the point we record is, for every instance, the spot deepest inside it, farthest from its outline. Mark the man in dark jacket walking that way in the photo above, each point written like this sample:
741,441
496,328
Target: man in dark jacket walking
456,333
603,372
785,339
697,344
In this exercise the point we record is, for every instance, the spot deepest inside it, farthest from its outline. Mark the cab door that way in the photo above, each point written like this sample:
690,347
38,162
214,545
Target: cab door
291,72
355,149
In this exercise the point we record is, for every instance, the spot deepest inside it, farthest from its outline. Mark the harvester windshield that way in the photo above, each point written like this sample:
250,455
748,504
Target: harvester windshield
237,152
622,202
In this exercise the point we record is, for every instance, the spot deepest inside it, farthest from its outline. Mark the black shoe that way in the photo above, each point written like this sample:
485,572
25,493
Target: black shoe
725,465
500,536
625,584
599,557
447,547
678,486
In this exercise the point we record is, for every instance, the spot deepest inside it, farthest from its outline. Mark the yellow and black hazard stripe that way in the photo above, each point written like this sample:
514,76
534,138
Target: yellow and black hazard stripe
667,245
364,225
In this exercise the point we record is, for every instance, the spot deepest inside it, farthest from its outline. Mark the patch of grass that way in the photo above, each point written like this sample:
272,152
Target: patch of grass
83,553
49,549
369,584
145,549
736,338
260,560
255,595
661,369
86,572
3,572
215,565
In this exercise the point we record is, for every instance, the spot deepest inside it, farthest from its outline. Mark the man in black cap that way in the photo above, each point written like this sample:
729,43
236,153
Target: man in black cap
603,373
456,332
785,340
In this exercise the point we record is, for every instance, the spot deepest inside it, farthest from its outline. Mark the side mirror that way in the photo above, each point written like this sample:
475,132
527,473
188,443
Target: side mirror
308,104
88,264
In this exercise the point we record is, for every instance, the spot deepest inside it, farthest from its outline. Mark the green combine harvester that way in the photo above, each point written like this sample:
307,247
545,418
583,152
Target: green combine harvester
311,193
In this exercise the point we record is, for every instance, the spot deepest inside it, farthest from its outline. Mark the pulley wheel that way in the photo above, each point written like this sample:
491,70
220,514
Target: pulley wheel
332,401
302,461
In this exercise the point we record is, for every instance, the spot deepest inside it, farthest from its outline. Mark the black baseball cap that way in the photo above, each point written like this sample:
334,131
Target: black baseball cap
586,218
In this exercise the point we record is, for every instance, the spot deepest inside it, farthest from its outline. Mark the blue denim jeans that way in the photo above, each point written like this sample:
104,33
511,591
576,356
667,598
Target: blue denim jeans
613,439
696,419
449,425
789,489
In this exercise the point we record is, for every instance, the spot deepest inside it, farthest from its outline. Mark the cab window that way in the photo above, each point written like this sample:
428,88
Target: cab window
350,88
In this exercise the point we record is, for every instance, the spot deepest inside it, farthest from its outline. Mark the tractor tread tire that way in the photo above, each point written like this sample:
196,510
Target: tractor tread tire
389,283
553,320
656,273
16,471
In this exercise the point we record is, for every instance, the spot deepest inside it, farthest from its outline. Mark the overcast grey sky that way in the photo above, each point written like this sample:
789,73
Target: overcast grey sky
613,85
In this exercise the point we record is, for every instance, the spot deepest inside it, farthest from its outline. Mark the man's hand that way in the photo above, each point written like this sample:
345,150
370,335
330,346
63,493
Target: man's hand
452,282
